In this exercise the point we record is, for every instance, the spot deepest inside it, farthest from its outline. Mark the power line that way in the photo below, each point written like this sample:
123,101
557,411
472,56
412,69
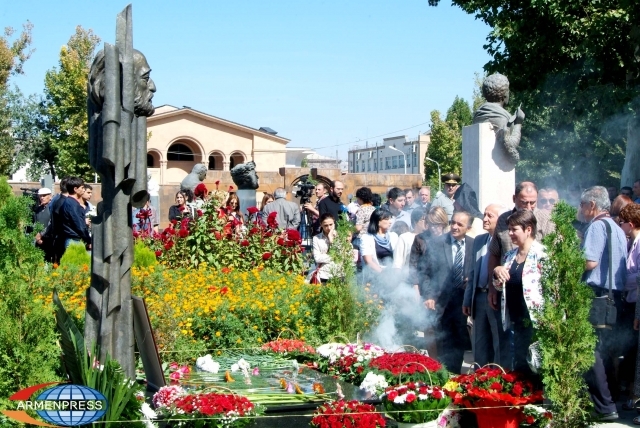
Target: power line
375,136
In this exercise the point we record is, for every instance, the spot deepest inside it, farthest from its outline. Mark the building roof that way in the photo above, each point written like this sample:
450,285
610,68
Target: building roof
167,111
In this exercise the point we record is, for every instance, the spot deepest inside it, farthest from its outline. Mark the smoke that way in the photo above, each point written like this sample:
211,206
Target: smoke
404,313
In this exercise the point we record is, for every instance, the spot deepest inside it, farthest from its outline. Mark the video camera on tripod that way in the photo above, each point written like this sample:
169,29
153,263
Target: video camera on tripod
31,192
305,191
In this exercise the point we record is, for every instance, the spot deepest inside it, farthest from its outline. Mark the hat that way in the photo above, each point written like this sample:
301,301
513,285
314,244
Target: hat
451,178
44,191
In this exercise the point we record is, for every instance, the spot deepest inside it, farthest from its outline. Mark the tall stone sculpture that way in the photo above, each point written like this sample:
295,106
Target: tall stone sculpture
495,90
119,102
244,176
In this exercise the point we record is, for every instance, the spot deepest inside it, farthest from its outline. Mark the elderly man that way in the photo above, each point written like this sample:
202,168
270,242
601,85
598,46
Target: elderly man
525,198
547,198
425,198
594,209
488,339
288,213
410,200
450,258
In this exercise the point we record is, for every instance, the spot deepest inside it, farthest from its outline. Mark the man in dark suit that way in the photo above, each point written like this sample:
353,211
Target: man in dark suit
490,343
449,262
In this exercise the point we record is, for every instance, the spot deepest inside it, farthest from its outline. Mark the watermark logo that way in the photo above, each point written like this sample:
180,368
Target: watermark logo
62,405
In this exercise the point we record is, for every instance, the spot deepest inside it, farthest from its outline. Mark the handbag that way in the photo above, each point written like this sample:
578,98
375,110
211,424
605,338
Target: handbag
603,313
315,277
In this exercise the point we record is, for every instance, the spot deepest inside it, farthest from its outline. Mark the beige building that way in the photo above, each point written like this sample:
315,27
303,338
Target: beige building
183,137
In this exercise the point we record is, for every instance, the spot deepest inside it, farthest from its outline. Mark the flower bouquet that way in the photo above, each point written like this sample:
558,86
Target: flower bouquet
408,366
495,396
415,402
174,404
340,414
348,362
294,348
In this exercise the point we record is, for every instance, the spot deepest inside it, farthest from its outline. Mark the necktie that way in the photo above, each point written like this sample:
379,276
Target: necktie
457,266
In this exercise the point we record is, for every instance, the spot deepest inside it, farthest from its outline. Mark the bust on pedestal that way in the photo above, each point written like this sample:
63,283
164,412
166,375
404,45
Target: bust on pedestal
246,180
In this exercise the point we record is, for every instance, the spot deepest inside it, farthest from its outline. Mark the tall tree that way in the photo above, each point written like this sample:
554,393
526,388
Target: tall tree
13,55
574,66
65,128
445,146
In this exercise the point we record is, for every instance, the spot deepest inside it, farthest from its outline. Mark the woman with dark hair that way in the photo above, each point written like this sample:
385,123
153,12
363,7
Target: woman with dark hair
321,244
376,200
465,199
267,198
617,205
233,209
519,280
378,243
180,210
363,196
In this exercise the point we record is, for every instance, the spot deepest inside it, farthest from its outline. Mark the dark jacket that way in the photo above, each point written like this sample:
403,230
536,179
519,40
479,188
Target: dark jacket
329,205
480,250
438,279
74,225
466,197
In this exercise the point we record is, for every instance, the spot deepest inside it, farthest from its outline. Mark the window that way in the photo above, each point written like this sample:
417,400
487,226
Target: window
409,161
357,165
387,163
369,165
394,161
415,157
375,165
401,161
180,152
149,160
363,170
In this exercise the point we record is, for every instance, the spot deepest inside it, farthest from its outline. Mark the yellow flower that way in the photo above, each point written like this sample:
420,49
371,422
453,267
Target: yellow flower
218,334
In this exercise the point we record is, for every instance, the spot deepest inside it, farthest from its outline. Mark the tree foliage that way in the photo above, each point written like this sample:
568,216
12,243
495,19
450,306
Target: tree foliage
65,128
567,340
445,146
574,66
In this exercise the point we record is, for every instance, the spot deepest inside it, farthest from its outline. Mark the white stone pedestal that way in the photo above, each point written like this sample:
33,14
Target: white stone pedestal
247,199
486,167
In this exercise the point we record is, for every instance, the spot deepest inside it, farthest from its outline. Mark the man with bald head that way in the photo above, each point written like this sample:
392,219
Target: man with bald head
525,198
489,341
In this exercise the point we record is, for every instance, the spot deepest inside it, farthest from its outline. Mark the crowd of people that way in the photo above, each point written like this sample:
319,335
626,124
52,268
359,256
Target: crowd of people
478,273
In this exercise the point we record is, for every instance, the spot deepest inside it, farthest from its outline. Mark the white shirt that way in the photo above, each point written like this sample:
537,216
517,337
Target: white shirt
368,245
402,250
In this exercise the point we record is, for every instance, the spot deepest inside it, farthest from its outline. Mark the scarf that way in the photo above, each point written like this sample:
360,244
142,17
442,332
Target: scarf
383,241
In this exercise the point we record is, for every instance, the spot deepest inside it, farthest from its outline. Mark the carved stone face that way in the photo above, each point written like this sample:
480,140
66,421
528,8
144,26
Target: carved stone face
145,87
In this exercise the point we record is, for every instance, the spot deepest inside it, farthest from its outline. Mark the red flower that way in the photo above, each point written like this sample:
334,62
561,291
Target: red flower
266,256
217,184
529,419
293,235
225,270
200,191
168,245
184,232
230,188
199,213
252,210
411,397
244,243
224,290
217,235
253,231
280,241
496,386
158,253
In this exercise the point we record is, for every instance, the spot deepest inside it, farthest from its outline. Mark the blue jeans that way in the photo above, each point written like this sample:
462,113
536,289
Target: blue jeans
70,241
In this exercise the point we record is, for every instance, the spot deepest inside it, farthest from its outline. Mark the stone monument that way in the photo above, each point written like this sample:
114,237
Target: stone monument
246,180
490,145
195,177
119,101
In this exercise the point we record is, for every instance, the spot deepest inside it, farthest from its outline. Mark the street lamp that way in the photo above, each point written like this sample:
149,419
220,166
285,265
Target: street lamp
405,158
439,183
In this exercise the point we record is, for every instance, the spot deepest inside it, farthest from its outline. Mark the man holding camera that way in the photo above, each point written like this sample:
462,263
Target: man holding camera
312,209
332,204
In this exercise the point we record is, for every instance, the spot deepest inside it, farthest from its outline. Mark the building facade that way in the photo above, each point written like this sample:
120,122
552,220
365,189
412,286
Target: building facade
396,155
180,138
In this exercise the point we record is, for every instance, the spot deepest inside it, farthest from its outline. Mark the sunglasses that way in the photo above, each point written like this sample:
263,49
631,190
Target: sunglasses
550,200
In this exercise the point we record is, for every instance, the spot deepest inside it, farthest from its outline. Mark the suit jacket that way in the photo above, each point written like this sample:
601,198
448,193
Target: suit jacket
480,250
288,213
438,281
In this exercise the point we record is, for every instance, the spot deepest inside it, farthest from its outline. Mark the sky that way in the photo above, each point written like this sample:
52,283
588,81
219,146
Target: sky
325,74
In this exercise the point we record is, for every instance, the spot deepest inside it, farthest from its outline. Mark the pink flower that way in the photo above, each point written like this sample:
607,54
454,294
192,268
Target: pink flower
174,366
175,376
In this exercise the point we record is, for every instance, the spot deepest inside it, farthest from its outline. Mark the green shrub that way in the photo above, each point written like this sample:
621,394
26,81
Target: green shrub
143,256
28,350
76,255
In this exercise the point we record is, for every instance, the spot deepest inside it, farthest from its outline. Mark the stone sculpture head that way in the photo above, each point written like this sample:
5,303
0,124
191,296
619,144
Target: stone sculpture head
244,176
495,89
144,88
200,171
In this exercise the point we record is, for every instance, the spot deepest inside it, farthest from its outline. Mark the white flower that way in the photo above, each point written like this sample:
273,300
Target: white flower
360,358
148,412
373,383
235,367
206,364
243,365
423,397
400,399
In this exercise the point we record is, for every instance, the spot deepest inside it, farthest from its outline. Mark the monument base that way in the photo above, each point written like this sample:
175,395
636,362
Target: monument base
486,167
247,199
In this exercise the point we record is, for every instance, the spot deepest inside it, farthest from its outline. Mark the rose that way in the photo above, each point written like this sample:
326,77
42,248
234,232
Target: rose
266,256
252,210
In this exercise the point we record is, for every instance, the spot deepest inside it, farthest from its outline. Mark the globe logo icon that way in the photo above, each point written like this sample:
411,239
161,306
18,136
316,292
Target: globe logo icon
74,405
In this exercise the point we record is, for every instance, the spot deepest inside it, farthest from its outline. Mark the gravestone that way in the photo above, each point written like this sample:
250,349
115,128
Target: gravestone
486,166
